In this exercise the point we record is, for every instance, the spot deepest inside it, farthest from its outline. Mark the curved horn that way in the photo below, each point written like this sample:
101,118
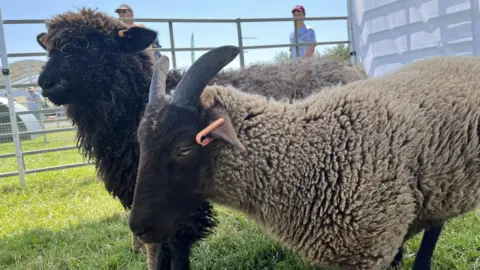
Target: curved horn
196,78
159,78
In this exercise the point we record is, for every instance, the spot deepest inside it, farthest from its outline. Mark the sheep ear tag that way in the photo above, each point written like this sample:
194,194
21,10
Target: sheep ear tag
203,136
222,129
122,34
135,39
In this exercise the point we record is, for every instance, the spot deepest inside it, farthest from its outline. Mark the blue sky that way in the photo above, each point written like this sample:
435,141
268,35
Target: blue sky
21,38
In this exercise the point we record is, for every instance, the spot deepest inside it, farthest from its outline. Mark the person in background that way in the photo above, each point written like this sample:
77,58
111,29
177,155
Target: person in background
126,11
34,101
306,34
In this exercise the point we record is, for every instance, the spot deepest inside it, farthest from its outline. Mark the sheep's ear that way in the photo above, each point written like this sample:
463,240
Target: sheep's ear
40,40
135,39
226,131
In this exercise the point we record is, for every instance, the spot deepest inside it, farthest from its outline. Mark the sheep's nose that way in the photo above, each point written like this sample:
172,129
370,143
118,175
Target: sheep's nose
139,227
142,231
44,82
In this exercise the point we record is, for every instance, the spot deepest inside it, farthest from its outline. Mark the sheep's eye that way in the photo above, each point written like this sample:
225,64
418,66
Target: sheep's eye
67,49
184,150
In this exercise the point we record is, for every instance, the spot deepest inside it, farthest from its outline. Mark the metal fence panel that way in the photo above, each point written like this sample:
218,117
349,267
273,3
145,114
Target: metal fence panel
53,120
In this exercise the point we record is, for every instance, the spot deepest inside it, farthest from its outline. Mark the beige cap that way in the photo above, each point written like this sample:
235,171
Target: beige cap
123,6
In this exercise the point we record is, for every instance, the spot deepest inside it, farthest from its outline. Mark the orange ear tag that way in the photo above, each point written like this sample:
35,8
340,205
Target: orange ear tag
122,34
207,130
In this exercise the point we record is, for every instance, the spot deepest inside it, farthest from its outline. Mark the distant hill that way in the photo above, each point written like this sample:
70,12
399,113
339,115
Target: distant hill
20,70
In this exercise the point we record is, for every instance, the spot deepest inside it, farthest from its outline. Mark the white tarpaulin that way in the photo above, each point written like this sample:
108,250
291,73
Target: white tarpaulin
388,34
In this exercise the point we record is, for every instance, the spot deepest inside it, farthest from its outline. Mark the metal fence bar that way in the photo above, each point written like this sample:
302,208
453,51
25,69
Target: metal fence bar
26,54
351,43
18,151
297,49
39,132
51,168
299,44
11,105
240,43
210,48
42,124
334,18
50,110
172,44
173,50
42,151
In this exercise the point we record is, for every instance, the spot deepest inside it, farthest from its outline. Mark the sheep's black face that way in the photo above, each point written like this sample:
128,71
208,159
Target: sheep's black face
73,62
86,52
173,167
168,185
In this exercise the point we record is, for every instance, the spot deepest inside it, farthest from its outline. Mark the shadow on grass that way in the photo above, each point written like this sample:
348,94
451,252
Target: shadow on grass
236,244
103,244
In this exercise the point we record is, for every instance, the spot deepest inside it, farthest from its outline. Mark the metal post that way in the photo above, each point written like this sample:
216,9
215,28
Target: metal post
172,45
42,123
29,72
297,50
351,44
240,43
11,105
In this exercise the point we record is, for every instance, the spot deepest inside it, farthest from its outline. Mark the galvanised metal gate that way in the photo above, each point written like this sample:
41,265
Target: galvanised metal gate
13,114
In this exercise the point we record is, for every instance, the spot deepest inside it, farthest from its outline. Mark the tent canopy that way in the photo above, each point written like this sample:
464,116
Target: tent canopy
387,34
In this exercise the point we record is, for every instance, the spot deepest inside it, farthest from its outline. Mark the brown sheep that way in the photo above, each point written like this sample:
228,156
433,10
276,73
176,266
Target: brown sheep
342,177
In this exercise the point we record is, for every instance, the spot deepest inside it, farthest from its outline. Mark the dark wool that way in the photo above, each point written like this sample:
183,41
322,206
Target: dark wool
110,94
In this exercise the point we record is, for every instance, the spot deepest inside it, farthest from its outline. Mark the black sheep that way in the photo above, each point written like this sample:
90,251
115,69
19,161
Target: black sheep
102,79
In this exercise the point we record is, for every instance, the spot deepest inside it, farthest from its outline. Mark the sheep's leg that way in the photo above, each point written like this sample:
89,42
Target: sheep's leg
137,244
158,257
427,247
425,252
181,256
397,261
194,228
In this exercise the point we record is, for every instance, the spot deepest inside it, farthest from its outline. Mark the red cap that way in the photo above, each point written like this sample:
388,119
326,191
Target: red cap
299,8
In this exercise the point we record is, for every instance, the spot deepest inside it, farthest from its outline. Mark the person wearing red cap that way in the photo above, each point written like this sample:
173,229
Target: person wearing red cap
306,34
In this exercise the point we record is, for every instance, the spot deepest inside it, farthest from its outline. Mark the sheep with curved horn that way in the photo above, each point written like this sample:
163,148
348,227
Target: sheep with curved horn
343,177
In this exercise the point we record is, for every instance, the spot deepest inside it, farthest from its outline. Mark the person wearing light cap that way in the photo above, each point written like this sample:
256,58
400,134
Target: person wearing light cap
306,34
126,11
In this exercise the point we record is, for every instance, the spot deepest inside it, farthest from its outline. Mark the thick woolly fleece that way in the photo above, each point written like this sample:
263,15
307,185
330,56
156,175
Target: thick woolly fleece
291,80
107,100
342,176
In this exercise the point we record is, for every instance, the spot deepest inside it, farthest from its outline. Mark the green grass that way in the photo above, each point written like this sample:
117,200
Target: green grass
66,220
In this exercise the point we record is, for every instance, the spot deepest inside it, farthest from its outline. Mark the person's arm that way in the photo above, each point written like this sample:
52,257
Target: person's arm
310,38
38,98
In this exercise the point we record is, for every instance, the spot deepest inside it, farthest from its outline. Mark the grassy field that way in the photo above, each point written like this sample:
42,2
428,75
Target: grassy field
66,220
